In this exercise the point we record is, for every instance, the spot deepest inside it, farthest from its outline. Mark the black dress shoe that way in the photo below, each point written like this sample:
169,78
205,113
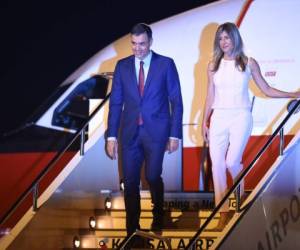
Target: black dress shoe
157,224
138,242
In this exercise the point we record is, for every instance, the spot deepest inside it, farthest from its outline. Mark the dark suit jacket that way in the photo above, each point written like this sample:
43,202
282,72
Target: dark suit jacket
161,105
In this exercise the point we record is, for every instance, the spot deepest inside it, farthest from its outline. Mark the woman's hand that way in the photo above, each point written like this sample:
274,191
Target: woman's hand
297,94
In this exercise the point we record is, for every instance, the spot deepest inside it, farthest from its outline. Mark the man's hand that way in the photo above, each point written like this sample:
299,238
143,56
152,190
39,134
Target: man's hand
112,148
172,145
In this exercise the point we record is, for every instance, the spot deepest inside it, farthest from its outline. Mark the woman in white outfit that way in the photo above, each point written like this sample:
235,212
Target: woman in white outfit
227,121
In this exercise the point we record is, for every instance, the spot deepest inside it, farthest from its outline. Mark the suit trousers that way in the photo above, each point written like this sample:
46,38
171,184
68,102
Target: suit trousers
142,149
229,132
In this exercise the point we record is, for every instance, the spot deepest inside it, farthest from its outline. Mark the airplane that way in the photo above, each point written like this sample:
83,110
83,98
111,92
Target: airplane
187,38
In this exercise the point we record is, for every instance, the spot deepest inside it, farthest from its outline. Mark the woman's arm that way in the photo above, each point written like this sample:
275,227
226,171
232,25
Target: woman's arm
208,102
265,87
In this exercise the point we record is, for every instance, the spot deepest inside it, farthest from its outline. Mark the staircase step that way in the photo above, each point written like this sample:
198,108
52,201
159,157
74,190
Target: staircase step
181,201
148,213
165,233
179,239
173,200
145,222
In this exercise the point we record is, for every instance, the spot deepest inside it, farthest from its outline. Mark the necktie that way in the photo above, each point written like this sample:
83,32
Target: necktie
141,78
141,87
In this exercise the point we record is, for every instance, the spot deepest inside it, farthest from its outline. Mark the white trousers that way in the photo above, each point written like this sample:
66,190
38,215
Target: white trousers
229,132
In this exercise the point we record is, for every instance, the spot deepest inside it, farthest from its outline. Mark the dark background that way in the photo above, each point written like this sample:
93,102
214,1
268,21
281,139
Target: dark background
43,42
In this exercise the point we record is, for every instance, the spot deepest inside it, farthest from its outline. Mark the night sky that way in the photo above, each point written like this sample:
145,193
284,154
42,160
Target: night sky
43,42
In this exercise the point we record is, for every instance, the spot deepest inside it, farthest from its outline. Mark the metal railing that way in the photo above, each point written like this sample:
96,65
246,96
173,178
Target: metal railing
33,188
293,107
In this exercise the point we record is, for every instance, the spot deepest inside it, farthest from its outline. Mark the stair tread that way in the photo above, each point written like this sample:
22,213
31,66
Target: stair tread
148,213
166,233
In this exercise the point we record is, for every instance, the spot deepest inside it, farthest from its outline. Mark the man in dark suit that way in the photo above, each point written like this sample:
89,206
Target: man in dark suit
146,104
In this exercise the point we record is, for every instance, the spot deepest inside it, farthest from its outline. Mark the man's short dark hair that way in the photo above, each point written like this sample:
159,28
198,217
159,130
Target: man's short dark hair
141,28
